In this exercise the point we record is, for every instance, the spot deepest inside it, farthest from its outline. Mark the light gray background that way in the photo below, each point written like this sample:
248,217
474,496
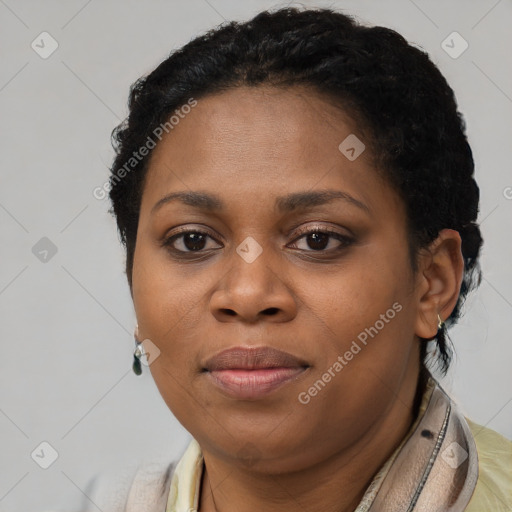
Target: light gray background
66,325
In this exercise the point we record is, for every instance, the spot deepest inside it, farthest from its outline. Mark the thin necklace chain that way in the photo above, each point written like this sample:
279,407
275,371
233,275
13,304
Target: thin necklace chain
211,492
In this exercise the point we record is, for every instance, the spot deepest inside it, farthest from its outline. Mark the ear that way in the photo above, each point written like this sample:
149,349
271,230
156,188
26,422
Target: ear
440,272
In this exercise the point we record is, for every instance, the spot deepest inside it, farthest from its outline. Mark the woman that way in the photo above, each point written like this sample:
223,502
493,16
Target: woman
297,202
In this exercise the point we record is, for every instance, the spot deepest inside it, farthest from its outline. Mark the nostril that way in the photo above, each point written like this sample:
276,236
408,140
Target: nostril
271,311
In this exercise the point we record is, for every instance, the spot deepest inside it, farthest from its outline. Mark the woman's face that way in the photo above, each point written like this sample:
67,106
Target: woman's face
341,301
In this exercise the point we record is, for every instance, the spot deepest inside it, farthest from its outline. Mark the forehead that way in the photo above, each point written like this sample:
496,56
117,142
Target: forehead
262,141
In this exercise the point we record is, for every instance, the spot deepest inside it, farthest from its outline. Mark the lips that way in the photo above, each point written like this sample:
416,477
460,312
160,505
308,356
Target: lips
252,358
252,372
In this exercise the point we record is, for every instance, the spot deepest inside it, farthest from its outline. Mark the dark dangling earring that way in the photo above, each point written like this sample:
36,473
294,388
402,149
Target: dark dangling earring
137,354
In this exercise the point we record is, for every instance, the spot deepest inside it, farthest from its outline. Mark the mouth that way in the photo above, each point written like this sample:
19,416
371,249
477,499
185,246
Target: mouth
250,373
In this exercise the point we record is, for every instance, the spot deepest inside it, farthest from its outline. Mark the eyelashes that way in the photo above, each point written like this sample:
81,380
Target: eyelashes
198,239
194,242
324,233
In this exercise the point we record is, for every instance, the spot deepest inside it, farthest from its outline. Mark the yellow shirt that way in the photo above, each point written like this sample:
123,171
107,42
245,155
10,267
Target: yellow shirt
493,491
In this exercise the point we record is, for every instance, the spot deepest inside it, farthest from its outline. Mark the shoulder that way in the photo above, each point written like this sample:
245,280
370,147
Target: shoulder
493,490
140,488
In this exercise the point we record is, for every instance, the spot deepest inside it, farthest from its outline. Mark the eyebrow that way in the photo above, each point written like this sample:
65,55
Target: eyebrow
288,203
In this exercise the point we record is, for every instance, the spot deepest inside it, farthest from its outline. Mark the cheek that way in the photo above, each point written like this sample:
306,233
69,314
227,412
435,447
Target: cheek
365,314
167,308
165,305
160,294
353,296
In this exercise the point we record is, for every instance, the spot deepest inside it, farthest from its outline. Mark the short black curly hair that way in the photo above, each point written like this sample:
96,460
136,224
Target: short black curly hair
401,100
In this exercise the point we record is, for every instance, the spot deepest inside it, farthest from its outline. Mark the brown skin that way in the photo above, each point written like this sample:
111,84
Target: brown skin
248,146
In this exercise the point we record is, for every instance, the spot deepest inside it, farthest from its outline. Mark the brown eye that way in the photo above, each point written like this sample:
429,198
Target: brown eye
194,241
189,241
319,240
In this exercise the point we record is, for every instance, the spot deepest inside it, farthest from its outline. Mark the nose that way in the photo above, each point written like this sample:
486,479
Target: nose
253,291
